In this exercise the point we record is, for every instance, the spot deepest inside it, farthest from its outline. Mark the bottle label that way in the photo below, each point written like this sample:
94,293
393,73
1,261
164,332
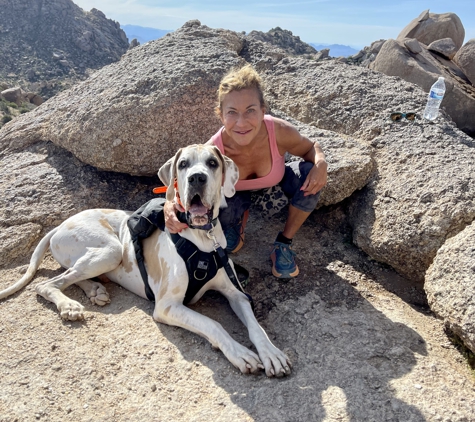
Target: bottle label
437,96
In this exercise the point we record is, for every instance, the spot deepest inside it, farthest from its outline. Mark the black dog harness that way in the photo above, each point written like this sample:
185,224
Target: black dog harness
201,266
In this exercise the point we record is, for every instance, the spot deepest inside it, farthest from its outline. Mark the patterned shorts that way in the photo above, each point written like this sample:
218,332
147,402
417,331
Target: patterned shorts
272,200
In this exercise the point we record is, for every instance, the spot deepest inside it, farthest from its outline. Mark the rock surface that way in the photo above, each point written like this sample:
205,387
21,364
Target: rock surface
367,55
43,185
363,347
349,100
450,285
444,46
350,163
422,195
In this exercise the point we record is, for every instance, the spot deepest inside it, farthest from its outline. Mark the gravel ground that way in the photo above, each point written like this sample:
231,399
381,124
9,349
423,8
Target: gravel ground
363,343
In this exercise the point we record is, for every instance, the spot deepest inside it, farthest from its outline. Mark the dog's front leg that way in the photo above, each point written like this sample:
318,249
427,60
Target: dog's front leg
177,314
276,363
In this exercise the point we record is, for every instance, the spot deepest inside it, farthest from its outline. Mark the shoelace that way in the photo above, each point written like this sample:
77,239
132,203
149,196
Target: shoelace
287,253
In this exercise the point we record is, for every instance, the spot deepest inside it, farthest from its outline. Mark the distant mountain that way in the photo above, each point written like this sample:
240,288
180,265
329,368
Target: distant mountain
143,34
46,46
336,50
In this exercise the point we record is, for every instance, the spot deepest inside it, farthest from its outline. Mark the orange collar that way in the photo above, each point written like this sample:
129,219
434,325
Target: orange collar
163,189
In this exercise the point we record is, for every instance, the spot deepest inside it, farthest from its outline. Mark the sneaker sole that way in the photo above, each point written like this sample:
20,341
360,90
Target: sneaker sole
290,275
239,246
282,275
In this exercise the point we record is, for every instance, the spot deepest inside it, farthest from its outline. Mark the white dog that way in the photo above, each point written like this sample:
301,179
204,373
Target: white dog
97,243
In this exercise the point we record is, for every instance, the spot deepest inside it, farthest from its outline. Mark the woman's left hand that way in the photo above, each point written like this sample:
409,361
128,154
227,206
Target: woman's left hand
316,179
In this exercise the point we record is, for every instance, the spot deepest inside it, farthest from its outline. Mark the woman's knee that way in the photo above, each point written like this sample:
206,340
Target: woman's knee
236,206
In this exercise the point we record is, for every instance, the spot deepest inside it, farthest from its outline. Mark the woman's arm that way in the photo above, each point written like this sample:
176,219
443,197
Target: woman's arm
290,140
171,220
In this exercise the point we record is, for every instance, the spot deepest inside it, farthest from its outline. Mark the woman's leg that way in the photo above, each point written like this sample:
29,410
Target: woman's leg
233,219
300,207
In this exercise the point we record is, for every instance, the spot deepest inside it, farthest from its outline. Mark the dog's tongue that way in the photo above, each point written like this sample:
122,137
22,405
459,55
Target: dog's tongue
198,209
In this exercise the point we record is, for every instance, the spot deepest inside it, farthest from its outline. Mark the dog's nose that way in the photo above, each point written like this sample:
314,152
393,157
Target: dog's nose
197,179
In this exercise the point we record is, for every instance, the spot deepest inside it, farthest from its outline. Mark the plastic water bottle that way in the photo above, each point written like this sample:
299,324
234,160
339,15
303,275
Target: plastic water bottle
436,95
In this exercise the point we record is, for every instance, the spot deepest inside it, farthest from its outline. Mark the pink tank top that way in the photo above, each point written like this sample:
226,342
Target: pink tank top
278,161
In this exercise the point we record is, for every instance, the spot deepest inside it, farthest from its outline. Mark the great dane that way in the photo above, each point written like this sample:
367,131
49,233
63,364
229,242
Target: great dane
97,243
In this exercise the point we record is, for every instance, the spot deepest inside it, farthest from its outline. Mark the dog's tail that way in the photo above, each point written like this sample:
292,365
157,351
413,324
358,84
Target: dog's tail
35,262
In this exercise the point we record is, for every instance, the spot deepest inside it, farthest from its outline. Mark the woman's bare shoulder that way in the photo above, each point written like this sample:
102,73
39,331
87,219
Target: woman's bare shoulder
285,131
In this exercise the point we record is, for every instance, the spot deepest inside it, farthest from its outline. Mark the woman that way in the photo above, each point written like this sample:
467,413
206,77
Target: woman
257,143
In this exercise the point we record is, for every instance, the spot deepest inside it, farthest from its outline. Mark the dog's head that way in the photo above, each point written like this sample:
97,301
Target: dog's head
197,178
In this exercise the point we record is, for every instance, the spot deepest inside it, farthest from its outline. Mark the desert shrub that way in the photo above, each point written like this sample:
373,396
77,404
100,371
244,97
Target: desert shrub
4,107
6,119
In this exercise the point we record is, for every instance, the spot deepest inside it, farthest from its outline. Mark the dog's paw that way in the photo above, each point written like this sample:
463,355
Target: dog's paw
99,295
244,359
276,363
95,291
71,310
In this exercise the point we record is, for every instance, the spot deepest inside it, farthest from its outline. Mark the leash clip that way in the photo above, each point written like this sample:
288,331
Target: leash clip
211,236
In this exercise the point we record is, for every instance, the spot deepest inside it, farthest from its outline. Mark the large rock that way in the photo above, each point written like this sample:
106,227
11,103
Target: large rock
14,95
429,27
350,162
349,100
43,185
422,195
450,285
423,69
444,46
283,39
131,116
465,59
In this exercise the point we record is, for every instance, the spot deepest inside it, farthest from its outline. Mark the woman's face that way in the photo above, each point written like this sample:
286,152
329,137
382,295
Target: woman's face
242,115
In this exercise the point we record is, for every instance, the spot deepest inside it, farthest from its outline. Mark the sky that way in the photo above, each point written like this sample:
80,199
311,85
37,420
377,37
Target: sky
356,23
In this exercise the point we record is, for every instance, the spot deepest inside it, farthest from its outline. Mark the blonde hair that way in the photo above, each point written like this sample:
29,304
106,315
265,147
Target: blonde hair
237,79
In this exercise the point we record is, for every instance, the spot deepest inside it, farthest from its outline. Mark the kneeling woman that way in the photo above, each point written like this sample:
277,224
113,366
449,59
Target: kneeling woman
257,143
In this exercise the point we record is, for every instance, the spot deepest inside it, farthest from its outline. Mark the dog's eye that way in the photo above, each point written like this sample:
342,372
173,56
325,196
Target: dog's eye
182,164
212,163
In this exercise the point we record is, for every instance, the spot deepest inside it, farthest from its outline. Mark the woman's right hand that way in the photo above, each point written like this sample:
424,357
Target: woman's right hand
171,220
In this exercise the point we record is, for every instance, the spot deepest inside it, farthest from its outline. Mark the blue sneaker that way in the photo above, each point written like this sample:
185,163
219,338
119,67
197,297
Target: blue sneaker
234,237
235,234
283,262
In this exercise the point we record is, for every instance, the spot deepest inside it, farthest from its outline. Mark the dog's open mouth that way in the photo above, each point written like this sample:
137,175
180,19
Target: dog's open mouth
198,214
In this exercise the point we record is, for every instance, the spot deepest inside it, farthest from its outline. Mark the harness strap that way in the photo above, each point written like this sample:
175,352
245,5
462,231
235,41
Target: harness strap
188,250
223,256
143,272
201,266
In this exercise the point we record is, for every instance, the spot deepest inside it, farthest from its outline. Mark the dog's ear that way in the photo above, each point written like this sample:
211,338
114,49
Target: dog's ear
231,174
167,174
